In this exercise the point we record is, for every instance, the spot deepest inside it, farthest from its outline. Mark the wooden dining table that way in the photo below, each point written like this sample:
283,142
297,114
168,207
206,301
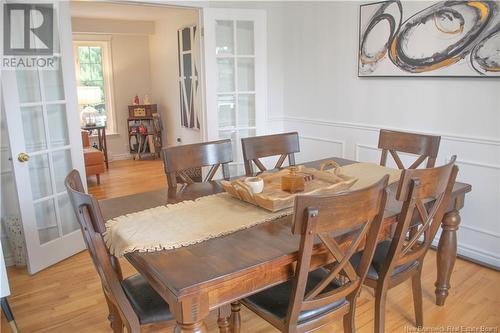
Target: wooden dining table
216,273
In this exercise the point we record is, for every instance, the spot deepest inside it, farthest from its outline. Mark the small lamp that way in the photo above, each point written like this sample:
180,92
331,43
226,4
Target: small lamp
89,95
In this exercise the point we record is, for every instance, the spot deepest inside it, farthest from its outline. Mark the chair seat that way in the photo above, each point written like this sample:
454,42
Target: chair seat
274,301
147,304
379,259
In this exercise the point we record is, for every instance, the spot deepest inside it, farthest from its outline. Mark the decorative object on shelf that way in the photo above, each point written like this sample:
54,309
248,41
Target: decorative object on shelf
188,41
447,38
89,96
138,111
147,100
135,100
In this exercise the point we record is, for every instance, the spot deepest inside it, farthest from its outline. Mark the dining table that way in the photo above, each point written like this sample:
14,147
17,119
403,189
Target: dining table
216,273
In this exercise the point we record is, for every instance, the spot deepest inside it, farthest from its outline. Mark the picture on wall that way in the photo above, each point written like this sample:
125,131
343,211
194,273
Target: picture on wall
423,38
189,85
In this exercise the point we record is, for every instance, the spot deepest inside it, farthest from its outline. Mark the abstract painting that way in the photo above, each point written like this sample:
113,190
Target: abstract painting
422,38
189,86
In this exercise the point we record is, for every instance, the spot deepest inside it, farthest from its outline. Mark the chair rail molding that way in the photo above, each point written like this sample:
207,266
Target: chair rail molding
479,163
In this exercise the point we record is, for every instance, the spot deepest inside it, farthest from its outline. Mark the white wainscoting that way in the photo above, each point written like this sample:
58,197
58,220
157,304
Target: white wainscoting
478,160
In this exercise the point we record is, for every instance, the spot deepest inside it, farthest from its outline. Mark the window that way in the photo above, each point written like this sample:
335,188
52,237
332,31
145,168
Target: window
93,68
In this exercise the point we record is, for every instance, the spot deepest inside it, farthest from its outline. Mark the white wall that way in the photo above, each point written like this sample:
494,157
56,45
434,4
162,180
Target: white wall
165,74
338,113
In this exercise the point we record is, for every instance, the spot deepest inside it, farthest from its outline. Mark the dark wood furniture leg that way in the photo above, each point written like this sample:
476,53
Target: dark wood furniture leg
235,317
223,320
446,254
8,314
105,147
190,314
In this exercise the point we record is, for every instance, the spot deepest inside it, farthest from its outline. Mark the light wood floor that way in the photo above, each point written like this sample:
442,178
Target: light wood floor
67,297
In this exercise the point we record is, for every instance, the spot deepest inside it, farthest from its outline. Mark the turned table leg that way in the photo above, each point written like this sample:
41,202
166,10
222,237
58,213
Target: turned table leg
446,255
235,317
190,313
223,320
197,327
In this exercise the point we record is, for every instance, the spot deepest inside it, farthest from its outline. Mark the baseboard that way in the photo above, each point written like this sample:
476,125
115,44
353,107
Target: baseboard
472,254
120,157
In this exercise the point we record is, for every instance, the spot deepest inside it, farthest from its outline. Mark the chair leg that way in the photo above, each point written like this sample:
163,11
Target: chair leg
348,320
416,283
98,177
8,314
235,317
380,300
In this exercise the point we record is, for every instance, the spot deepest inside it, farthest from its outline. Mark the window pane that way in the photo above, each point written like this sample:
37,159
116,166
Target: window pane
62,166
46,221
230,135
246,74
226,105
58,127
246,110
224,37
83,53
225,73
41,185
95,55
28,86
69,222
186,39
53,82
84,72
244,37
34,128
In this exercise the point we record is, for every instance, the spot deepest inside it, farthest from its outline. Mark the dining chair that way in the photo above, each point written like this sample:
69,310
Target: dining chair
427,146
132,302
315,296
425,195
254,148
178,159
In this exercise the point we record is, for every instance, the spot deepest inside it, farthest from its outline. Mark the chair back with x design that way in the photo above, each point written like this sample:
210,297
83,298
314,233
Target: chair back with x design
324,218
392,142
178,159
425,194
257,147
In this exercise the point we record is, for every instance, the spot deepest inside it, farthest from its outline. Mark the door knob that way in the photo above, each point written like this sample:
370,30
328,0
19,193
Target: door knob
23,157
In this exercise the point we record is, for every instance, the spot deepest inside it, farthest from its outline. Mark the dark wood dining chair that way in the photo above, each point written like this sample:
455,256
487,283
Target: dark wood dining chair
392,142
315,296
254,148
132,302
178,159
425,196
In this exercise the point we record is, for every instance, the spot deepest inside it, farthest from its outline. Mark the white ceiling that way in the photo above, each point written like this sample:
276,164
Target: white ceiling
105,10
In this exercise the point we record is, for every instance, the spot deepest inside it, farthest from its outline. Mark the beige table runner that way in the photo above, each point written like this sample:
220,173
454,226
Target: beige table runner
368,174
182,224
190,222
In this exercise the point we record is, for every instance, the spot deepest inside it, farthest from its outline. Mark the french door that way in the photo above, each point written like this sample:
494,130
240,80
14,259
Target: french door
236,76
43,124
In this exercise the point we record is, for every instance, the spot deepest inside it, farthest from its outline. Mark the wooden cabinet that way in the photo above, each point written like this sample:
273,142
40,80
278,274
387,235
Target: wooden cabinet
145,131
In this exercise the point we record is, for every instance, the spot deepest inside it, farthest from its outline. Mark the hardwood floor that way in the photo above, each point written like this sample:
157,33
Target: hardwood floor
67,297
128,177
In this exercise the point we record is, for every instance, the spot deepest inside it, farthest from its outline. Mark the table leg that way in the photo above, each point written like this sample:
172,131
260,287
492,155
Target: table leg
223,320
446,255
189,315
235,317
105,147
